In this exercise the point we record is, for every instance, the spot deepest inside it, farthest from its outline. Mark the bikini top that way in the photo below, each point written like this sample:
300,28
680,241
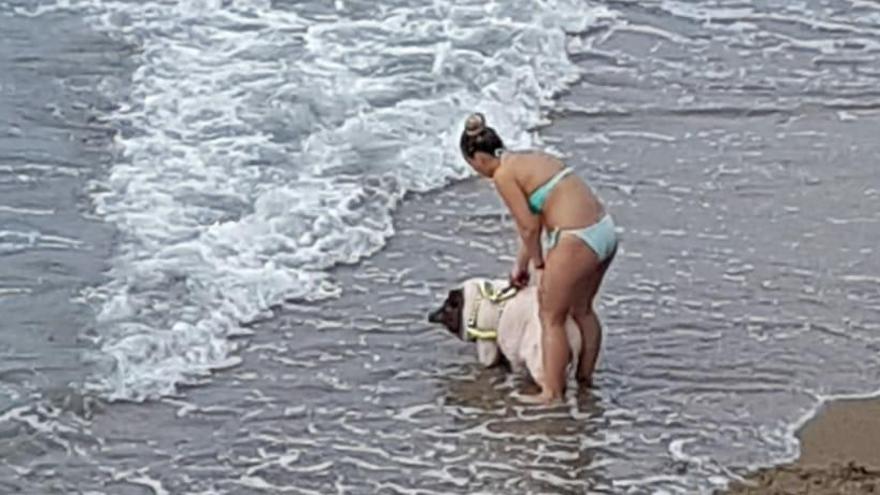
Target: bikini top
539,195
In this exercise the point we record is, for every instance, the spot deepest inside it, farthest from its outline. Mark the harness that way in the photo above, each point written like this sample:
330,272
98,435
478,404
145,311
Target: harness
486,292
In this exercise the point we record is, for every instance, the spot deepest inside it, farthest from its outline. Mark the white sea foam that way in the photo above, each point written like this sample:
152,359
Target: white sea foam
263,145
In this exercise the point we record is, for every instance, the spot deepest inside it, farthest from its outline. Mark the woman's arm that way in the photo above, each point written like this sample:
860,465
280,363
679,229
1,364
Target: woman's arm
522,256
528,224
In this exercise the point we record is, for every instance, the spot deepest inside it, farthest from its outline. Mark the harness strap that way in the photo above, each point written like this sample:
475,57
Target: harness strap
487,291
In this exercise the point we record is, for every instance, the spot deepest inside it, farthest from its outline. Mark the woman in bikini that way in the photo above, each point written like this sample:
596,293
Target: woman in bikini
542,194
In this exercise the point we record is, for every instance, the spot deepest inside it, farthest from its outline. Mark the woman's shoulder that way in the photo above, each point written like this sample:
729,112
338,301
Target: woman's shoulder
529,160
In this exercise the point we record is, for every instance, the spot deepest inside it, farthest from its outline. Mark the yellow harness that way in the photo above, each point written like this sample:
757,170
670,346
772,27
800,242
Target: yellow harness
487,292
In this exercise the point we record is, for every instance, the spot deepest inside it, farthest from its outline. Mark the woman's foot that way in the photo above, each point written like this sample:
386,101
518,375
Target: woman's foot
543,398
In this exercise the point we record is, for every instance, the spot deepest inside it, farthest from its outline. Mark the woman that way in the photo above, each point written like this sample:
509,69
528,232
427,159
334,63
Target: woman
541,193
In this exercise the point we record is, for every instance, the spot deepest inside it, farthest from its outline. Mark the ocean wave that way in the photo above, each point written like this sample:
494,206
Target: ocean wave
263,144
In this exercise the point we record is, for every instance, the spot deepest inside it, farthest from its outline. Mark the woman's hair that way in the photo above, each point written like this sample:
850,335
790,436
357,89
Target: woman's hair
477,136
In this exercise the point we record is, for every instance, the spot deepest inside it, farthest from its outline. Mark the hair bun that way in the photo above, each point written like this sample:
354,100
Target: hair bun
475,124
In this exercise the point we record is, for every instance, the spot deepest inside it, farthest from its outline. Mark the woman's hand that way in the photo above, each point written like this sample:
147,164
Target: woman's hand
519,276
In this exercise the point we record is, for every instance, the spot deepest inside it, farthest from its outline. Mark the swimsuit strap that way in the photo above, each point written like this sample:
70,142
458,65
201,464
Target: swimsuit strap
539,195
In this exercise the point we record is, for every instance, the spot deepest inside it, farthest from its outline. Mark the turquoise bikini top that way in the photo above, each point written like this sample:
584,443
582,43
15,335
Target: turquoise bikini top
539,195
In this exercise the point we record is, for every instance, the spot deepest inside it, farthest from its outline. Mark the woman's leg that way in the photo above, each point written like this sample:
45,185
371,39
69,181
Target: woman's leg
566,264
585,316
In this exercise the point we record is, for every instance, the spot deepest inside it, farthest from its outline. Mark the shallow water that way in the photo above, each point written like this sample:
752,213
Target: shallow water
50,146
734,144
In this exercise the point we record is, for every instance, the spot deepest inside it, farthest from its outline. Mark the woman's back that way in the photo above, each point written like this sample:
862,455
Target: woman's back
569,204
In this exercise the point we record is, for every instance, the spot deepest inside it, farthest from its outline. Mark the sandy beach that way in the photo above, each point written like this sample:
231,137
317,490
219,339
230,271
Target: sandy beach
840,454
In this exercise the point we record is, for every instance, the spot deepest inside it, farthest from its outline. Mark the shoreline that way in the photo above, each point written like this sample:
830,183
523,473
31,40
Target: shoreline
840,453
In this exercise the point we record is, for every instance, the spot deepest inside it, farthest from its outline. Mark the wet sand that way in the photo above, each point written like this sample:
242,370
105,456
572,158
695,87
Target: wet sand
840,454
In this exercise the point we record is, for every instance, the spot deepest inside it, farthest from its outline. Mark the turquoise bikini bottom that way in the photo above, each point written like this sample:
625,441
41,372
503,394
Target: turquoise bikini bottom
600,236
